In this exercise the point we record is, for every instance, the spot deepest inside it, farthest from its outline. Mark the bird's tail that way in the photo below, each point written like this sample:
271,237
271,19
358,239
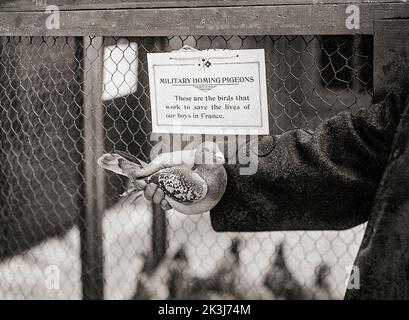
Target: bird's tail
120,165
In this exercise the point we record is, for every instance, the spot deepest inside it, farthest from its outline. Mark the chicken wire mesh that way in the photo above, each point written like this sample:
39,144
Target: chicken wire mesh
309,79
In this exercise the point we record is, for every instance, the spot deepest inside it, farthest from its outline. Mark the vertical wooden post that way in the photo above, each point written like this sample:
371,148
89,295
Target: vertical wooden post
391,39
3,178
159,233
159,221
91,222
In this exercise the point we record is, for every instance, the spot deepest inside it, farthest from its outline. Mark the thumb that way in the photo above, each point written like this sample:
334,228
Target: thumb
160,162
166,160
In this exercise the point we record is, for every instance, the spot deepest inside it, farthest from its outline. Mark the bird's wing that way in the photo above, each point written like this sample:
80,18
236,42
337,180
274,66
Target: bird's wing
118,164
128,167
131,158
181,184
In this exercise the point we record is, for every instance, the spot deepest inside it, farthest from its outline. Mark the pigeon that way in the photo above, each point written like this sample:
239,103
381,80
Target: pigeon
189,189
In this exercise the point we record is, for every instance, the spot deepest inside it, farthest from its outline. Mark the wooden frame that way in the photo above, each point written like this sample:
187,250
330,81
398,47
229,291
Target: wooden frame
162,18
39,5
91,219
159,18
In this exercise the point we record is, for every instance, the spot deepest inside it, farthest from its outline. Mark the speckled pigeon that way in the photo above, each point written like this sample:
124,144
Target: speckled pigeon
189,189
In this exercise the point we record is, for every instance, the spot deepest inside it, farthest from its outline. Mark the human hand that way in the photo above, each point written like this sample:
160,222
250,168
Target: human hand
200,179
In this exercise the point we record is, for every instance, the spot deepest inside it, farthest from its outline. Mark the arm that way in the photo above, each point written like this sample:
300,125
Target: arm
324,180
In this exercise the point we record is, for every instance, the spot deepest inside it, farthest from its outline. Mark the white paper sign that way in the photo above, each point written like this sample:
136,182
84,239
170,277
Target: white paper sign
209,92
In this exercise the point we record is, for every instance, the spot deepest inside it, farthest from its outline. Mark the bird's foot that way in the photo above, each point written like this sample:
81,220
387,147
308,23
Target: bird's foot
127,193
132,194
136,196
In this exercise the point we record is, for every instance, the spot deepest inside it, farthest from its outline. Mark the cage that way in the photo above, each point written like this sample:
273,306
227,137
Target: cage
70,93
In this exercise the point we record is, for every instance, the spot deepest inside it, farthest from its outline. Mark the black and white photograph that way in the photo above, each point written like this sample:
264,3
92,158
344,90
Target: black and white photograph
210,150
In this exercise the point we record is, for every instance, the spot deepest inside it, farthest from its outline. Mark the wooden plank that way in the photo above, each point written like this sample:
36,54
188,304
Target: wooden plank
159,234
40,5
91,222
159,220
272,20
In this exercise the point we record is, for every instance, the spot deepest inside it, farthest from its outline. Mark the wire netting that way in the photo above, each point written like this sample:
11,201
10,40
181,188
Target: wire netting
149,254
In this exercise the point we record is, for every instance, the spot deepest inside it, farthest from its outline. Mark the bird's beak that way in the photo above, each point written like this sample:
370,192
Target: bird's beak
220,158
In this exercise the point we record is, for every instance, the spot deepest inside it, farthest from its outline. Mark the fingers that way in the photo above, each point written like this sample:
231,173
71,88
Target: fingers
150,191
147,170
176,158
166,160
165,205
133,197
156,194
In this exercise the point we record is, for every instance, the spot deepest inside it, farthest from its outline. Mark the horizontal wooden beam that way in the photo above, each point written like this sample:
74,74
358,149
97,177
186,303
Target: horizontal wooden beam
258,20
72,5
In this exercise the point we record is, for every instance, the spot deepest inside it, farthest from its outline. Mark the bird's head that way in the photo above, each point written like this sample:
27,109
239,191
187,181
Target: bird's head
209,153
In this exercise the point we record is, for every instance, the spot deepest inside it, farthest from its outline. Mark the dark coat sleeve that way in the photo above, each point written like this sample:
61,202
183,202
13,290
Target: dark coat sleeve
307,181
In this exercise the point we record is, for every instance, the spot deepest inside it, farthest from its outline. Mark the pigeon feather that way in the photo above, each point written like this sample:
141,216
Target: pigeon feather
188,189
